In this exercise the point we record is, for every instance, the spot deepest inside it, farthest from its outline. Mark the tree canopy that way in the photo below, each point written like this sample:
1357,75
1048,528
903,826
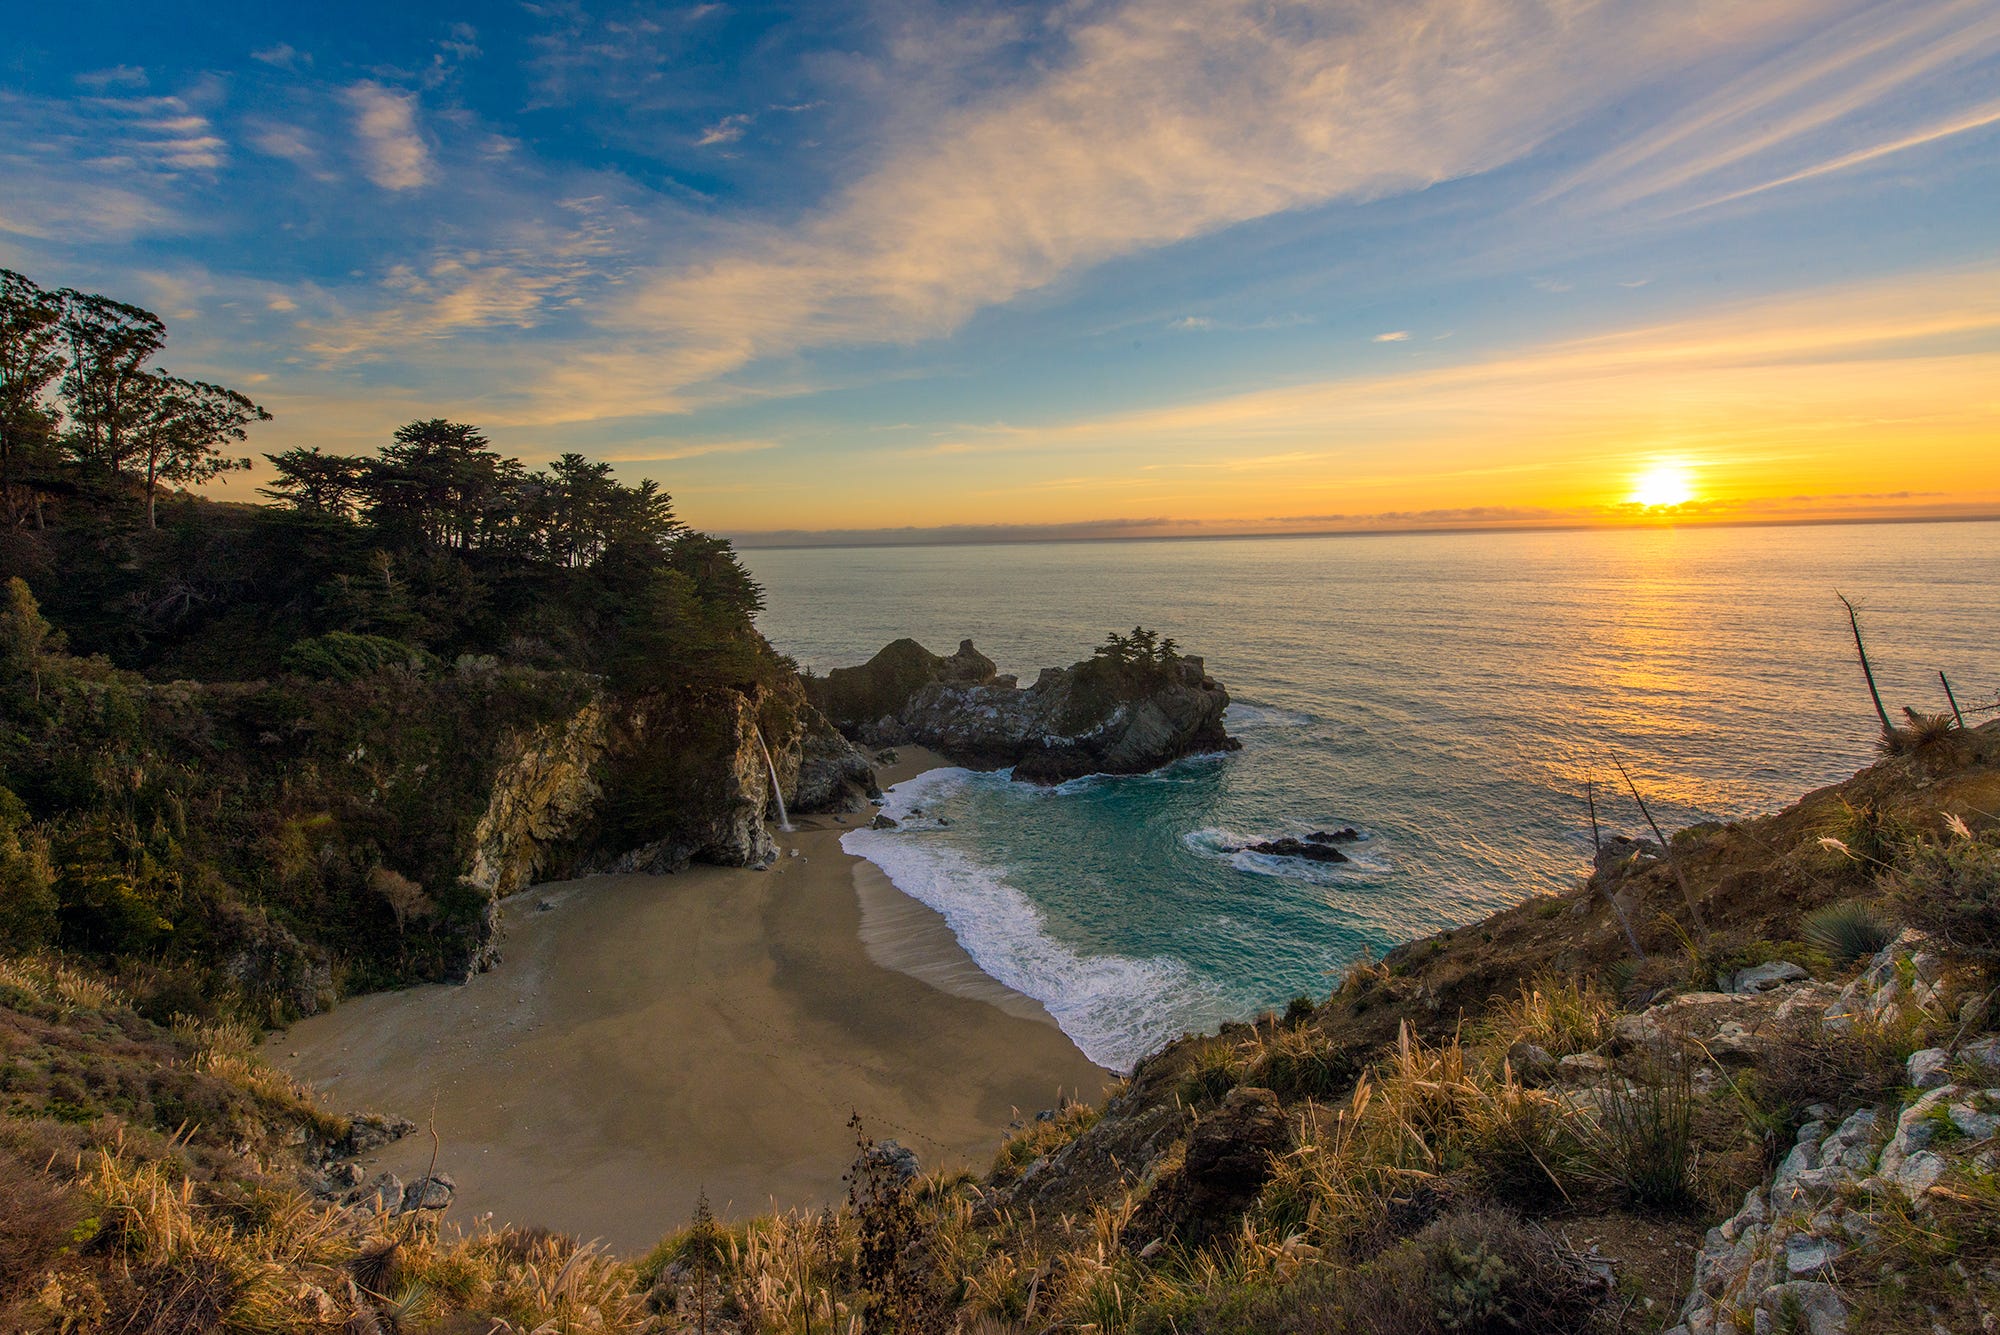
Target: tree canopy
80,406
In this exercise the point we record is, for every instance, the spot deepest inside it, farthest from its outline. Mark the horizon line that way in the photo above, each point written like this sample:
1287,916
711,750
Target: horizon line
745,542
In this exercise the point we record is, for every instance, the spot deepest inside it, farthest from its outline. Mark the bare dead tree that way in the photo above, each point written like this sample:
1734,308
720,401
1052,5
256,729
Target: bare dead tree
1597,852
1861,652
1667,847
1953,698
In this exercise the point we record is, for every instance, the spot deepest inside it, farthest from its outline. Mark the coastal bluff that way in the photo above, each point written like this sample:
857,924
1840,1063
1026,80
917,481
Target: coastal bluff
1131,708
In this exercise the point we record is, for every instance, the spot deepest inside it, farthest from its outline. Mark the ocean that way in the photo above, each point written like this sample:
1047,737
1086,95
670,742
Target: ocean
1448,695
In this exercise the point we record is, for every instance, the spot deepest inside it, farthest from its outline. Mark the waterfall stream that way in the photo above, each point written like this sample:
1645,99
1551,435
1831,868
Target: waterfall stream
784,818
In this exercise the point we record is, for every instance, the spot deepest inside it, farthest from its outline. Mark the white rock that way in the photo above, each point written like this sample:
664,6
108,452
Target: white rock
1920,1172
1807,1256
1928,1069
1764,977
1821,1307
1983,1052
1974,1124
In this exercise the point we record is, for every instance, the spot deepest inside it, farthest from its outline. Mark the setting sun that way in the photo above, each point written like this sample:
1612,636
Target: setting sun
1663,485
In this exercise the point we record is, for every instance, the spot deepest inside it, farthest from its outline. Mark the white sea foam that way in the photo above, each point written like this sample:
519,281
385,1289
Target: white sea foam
1244,717
1116,1009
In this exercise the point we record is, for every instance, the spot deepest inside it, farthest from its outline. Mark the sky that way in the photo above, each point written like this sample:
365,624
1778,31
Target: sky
849,270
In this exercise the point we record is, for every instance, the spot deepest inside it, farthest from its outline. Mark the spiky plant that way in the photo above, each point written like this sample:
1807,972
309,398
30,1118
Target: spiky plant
1848,931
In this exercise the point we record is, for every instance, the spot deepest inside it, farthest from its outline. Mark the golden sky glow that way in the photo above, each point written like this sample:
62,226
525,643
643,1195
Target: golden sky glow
1134,267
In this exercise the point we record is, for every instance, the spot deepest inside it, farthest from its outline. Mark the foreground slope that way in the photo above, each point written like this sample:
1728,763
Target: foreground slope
1517,1125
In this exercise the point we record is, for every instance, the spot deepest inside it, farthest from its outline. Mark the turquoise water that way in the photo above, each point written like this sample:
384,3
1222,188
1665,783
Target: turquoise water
1446,694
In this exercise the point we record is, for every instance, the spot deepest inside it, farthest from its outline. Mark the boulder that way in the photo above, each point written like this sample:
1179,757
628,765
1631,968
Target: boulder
1764,977
382,1194
1230,1155
833,775
367,1132
1530,1061
1929,1068
432,1192
899,1159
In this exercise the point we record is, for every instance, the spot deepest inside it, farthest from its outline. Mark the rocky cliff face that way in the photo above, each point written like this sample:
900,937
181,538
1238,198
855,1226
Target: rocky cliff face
1099,716
538,797
653,783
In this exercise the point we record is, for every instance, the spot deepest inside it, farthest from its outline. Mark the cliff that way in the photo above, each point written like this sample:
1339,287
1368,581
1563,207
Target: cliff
1122,714
651,784
275,843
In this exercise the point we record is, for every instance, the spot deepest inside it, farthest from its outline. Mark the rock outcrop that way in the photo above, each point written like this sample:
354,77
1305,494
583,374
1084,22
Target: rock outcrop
1100,716
1783,1260
1230,1154
653,783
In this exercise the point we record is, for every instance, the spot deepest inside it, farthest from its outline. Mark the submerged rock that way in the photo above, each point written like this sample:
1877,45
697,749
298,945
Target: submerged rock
1307,848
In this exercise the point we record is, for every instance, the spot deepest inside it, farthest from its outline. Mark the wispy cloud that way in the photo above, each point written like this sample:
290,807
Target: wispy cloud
1978,118
725,131
103,167
659,452
1883,63
1143,136
1393,336
1855,369
118,76
393,153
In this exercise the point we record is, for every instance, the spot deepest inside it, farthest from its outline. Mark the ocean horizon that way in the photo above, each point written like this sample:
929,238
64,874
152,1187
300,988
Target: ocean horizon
1714,663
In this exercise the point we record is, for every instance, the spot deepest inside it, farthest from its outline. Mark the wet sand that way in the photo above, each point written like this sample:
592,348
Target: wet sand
648,1037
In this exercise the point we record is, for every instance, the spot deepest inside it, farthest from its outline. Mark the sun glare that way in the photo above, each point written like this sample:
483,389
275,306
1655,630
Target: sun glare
1661,486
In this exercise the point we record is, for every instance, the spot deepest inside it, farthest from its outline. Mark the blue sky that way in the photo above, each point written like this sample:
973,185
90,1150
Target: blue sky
1076,268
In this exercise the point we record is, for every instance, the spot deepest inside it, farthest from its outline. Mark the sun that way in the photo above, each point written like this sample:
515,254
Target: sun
1663,486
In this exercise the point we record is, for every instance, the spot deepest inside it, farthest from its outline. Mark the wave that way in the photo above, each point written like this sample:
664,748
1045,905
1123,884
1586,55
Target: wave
1115,1008
1173,772
1242,716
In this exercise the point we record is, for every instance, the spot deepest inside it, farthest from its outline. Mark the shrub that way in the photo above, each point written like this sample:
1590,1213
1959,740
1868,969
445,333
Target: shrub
342,656
1042,1137
1298,1063
1211,1075
1951,888
1472,1271
1811,1064
1848,931
36,1221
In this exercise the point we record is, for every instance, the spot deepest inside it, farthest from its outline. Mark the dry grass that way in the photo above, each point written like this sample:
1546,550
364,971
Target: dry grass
1557,1014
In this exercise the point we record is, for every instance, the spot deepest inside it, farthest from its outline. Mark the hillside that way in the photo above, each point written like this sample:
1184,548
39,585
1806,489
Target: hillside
1781,1117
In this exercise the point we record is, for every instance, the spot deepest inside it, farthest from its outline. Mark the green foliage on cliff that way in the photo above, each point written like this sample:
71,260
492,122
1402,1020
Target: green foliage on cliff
246,748
222,829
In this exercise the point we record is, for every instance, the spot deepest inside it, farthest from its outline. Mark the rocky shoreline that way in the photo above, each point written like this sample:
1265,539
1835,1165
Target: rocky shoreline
1126,713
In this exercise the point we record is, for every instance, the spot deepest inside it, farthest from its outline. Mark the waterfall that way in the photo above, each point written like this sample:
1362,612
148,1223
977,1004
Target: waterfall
784,819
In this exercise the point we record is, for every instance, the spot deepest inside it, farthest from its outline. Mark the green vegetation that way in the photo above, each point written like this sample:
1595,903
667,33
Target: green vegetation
243,747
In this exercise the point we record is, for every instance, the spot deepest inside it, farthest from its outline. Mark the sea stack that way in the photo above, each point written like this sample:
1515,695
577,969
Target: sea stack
1136,705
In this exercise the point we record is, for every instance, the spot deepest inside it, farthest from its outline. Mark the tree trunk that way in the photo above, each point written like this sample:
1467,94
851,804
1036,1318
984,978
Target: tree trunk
152,470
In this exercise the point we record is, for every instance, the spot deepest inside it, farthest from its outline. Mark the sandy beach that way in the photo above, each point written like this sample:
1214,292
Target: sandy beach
649,1037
